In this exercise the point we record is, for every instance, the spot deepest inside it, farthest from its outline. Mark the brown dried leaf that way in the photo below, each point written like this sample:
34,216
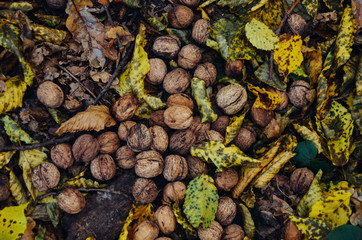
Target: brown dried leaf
124,35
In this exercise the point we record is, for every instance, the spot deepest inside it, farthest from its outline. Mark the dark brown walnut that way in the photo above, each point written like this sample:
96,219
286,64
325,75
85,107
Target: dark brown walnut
157,118
125,107
175,192
149,164
234,69
103,167
50,94
181,141
180,99
199,128
226,211
300,180
147,230
139,138
61,155
232,98
297,24
282,95
300,94
144,190
108,142
226,179
206,72
175,168
71,201
159,139
189,56
165,219
124,128
180,16
272,130
45,176
245,138
4,188
166,46
85,148
178,117
213,232
233,232
158,70
213,135
176,81
292,232
56,4
195,166
220,125
190,3
261,117
125,157
200,31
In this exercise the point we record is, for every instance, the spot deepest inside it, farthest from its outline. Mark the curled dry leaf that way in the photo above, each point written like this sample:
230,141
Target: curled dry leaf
124,36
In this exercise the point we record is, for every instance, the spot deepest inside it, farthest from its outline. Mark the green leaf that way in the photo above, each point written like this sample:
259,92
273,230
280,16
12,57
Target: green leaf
234,127
305,152
15,133
13,96
316,229
262,73
183,34
198,87
181,219
201,201
248,223
260,35
12,222
311,6
53,212
5,158
347,231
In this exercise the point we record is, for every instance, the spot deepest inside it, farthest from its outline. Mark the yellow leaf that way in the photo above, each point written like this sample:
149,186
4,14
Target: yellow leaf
357,101
198,87
311,6
309,135
248,197
16,188
315,229
271,14
181,219
12,222
5,158
94,118
260,35
288,54
265,99
13,96
124,36
44,34
259,5
313,64
15,133
234,127
80,182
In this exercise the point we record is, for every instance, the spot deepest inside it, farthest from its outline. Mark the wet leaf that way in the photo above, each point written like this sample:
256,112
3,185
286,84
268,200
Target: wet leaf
248,222
94,118
124,35
264,99
198,87
16,188
311,6
260,35
234,127
309,135
181,219
12,98
5,157
12,222
201,201
262,73
315,229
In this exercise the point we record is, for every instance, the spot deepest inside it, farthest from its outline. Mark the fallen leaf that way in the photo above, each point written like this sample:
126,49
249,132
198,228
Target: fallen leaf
260,35
265,99
311,6
271,14
232,130
309,135
248,222
13,222
262,73
101,77
16,188
357,101
124,36
315,229
181,219
5,157
12,98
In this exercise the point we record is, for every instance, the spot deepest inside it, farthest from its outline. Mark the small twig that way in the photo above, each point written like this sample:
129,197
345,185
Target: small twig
43,196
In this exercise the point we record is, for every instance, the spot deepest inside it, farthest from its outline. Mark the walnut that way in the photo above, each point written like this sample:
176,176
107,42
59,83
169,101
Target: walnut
144,190
213,135
195,166
199,128
178,117
175,168
233,232
292,232
50,94
158,71
213,232
180,17
226,179
190,3
232,98
125,157
4,188
159,139
176,81
174,191
181,141
125,107
200,31
282,95
108,142
61,155
165,219
300,94
147,230
245,138
189,56
149,164
261,117
139,138
206,72
234,69
45,176
272,130
124,128
166,46
85,148
180,99
220,125
297,24
71,201
56,4
226,211
103,167
300,180
157,118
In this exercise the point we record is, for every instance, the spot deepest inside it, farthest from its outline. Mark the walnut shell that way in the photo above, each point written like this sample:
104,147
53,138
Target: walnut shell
226,211
226,179
200,31
300,94
108,142
158,71
199,128
272,130
125,157
157,118
176,81
195,166
190,3
103,167
189,56
261,117
4,188
165,219
139,138
213,135
159,139
175,168
180,16
234,69
213,232
300,180
281,94
245,138
71,201
166,46
233,232
125,107
180,99
147,230
149,164
61,155
232,98
220,125
174,191
144,190
178,117
181,141
50,94
85,148
206,72
124,128
45,176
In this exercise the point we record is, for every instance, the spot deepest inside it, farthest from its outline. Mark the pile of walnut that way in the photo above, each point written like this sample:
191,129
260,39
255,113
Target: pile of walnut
142,146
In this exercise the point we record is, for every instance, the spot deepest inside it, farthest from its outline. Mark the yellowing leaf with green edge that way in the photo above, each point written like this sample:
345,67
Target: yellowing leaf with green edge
5,158
16,188
201,201
12,222
10,39
336,131
248,222
13,96
309,135
271,14
232,130
265,99
288,53
221,156
344,41
15,133
260,35
198,87
314,229
181,219
137,215
311,6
